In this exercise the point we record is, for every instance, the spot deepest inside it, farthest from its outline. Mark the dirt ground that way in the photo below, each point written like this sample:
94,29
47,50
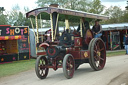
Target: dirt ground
114,73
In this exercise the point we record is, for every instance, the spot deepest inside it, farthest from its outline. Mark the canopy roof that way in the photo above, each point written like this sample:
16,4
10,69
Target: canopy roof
118,26
72,15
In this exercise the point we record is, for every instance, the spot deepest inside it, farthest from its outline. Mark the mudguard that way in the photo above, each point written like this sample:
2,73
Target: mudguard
45,45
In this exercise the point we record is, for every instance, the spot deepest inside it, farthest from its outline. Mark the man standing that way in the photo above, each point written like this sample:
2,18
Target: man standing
97,30
126,43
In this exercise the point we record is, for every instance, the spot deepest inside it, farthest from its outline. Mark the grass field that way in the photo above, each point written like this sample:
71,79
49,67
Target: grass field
109,54
24,65
16,67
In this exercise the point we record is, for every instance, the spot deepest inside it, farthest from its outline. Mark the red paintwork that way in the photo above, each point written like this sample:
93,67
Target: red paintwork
53,66
54,51
5,25
78,41
75,52
45,45
82,54
41,53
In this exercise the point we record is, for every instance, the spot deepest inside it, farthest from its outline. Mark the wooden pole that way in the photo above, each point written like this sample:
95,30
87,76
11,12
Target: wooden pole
56,26
52,27
37,29
111,39
81,27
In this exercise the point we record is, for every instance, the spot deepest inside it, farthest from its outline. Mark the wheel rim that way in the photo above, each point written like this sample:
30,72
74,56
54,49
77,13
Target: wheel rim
70,66
42,69
99,54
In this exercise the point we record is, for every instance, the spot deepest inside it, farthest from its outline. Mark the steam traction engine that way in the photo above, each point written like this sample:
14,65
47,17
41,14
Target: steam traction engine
69,49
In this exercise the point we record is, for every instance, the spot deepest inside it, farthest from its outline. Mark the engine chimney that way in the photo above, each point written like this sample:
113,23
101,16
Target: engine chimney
54,5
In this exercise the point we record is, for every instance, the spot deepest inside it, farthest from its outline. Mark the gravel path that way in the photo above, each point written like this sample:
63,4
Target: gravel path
114,73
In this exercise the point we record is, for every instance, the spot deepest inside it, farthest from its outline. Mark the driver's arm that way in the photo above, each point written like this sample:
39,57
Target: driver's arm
100,29
93,30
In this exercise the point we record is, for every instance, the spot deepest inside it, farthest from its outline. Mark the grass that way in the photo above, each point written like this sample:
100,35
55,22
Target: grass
24,65
16,67
115,53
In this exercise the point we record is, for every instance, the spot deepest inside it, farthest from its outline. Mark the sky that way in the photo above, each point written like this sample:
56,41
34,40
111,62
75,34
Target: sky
120,3
8,4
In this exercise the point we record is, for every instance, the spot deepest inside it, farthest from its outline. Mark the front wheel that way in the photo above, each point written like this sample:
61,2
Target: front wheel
68,66
41,67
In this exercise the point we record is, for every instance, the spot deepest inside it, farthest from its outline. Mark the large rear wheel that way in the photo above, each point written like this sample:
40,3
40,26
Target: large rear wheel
68,66
41,67
97,50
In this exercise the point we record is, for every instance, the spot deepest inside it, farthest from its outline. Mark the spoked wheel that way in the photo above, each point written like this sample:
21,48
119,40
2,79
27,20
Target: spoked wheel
97,50
41,67
68,66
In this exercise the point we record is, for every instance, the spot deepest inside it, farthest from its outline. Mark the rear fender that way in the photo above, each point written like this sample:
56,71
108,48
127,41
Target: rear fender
45,45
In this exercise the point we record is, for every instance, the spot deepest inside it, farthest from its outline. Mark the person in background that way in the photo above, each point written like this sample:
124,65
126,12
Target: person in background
126,44
103,37
97,29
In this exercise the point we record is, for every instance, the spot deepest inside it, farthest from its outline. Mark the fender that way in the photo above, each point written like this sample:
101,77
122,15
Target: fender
45,45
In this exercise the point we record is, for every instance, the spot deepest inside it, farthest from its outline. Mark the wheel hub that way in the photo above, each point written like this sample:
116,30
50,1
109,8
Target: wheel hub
98,53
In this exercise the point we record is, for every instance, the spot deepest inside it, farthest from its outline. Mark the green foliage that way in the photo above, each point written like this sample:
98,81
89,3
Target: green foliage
70,4
96,7
3,19
115,13
18,18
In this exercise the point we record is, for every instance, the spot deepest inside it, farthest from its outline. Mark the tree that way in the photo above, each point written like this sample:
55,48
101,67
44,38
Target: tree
124,18
3,18
18,18
70,4
96,7
115,13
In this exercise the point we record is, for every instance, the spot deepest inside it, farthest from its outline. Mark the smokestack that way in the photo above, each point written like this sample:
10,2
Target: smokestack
54,5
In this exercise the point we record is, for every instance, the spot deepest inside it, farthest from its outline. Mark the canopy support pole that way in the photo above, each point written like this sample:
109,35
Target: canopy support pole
37,29
51,26
33,27
81,27
41,25
56,26
67,24
111,39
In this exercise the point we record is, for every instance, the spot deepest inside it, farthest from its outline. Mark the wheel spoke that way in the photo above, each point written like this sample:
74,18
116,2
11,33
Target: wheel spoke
98,43
101,49
99,66
95,58
97,63
42,72
95,51
96,47
101,59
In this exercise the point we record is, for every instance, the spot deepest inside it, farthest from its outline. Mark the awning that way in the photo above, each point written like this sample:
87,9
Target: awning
10,37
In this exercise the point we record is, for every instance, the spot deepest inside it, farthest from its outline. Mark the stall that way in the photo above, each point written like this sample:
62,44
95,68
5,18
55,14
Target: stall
14,43
115,34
